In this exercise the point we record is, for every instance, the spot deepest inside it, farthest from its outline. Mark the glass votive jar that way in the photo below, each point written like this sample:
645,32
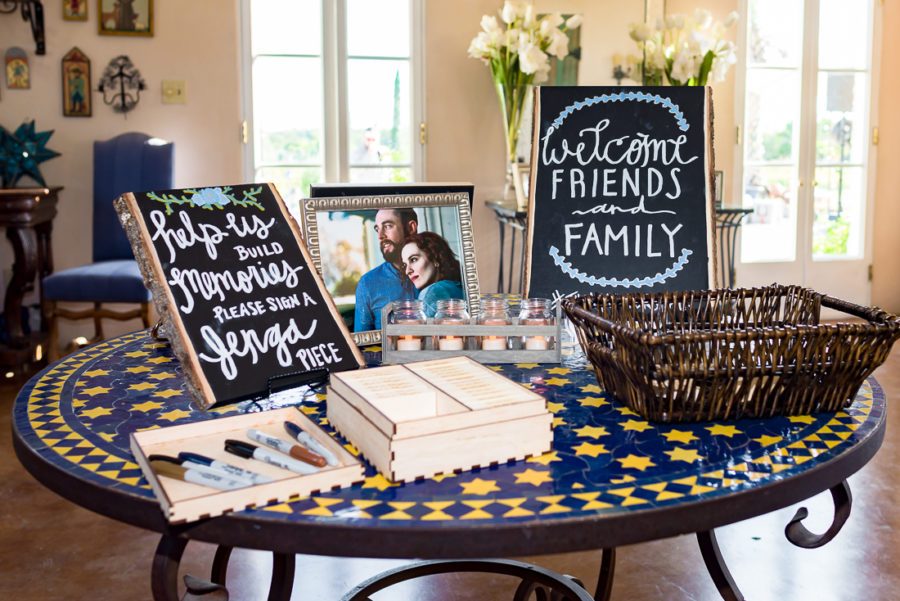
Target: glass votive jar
494,312
407,312
535,312
451,311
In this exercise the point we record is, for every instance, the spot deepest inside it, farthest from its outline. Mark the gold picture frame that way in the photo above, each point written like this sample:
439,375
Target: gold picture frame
75,10
76,84
347,256
125,17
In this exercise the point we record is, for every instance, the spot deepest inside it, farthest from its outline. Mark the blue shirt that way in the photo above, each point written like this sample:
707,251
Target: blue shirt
431,294
377,288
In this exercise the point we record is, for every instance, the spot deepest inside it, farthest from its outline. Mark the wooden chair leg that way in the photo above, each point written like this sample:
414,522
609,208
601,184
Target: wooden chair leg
145,314
98,324
49,309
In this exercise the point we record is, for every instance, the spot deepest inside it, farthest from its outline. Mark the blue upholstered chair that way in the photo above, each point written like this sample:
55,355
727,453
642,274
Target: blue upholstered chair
131,162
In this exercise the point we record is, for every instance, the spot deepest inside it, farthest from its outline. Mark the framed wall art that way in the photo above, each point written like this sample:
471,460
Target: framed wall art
125,17
17,72
363,270
76,84
75,10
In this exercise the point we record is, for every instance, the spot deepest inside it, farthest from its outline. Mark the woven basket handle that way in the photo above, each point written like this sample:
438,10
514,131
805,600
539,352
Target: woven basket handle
871,314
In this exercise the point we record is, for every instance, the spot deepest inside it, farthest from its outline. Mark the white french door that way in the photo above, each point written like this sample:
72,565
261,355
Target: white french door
807,157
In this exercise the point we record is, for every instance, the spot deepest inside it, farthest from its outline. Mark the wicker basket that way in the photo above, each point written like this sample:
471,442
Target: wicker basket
731,353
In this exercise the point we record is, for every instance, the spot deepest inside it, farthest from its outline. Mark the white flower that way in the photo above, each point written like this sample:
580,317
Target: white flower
674,21
640,32
550,23
574,22
490,24
532,59
480,47
511,10
559,45
702,18
731,19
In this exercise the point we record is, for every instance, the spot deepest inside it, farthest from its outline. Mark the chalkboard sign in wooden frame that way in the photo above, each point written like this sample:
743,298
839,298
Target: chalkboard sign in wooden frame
446,213
621,188
244,309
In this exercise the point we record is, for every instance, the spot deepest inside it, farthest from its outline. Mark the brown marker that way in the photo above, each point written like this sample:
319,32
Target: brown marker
295,451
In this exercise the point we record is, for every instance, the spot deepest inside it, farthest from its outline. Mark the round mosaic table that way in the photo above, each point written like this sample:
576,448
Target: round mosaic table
611,478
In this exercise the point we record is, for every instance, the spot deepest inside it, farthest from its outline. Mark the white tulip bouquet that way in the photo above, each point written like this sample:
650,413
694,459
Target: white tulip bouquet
682,50
517,48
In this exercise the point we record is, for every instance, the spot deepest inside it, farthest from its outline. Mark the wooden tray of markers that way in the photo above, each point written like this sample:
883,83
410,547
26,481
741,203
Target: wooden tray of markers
518,343
421,419
185,502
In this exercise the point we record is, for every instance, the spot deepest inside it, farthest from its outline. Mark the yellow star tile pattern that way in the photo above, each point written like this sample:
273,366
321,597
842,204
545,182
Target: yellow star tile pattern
723,430
533,477
633,425
79,412
479,487
681,454
591,450
683,436
591,432
636,462
592,401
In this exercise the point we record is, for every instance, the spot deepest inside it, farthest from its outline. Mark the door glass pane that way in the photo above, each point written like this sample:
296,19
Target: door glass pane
840,118
292,183
279,27
775,33
769,233
838,220
772,115
379,28
843,36
379,107
287,110
371,175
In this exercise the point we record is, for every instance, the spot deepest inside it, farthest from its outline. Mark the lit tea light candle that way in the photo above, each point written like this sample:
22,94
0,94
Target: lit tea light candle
409,343
494,343
536,343
450,343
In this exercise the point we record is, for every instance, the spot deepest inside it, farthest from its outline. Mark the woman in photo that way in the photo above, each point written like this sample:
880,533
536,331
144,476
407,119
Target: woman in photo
429,263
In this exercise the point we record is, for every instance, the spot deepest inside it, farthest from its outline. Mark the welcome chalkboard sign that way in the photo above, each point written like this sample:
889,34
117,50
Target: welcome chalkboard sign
245,310
620,191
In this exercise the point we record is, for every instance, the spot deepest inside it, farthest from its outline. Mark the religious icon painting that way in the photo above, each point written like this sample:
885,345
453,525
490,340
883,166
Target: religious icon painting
76,84
75,10
17,75
125,17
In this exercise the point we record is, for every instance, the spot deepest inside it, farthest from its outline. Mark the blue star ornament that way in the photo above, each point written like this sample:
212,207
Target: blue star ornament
21,152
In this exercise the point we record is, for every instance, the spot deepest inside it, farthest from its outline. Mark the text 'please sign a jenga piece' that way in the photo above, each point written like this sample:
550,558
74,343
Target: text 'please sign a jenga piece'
245,311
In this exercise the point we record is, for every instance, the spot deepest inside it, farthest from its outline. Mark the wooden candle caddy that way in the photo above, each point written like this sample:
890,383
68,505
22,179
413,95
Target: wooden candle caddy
428,331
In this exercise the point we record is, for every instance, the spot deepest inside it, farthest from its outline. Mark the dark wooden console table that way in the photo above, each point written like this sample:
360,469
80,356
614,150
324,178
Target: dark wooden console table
509,214
27,214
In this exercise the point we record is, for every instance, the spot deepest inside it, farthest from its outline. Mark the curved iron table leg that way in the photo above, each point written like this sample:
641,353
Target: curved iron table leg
220,564
798,534
605,578
561,587
164,573
282,577
715,564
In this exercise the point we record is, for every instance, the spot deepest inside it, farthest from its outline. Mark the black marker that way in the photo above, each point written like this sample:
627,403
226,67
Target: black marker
232,470
251,451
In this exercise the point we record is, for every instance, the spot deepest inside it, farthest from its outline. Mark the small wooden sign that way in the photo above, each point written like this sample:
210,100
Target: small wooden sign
18,75
76,84
243,306
621,191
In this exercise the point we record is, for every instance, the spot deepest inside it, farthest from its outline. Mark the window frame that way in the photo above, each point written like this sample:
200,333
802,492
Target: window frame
336,151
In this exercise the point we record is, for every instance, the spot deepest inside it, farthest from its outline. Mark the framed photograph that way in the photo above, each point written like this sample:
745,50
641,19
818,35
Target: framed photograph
76,84
125,17
522,180
366,249
75,10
